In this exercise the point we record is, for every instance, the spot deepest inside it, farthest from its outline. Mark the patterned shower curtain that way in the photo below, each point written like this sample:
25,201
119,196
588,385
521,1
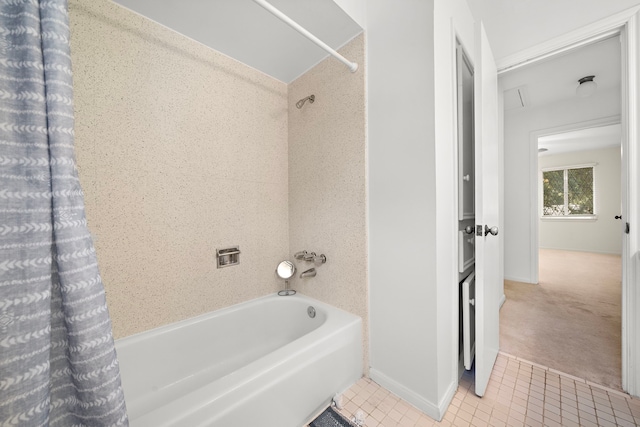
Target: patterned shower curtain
58,365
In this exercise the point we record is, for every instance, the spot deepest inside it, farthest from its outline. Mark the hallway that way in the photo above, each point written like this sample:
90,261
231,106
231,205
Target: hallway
571,321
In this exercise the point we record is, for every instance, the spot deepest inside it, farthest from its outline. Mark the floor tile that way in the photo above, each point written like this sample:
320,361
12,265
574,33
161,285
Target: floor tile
519,394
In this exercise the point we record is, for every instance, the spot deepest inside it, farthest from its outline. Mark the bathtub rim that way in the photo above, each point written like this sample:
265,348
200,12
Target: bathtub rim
159,330
337,322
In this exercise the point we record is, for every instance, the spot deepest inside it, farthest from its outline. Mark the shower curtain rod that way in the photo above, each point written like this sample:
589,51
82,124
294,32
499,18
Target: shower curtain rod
293,24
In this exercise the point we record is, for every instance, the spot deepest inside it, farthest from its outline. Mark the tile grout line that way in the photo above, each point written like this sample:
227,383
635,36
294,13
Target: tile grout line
515,389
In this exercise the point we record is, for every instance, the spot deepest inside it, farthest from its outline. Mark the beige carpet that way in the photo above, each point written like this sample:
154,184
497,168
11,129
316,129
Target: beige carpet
570,321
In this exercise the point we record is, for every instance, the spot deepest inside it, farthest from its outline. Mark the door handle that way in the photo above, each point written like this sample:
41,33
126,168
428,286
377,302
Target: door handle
468,229
493,230
618,217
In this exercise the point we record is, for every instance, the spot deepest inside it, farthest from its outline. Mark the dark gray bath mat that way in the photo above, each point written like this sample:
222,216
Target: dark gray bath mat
330,418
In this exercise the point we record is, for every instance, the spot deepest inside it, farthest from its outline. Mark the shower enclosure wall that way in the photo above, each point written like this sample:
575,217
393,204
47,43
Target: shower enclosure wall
183,150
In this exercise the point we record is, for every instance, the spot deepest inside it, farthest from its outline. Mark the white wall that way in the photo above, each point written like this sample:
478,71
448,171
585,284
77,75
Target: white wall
518,127
602,235
402,245
452,19
412,205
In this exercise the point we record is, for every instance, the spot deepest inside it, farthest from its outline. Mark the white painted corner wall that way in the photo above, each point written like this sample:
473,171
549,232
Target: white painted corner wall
412,203
402,246
452,21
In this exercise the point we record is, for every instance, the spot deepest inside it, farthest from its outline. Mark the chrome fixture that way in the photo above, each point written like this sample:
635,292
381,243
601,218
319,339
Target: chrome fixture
469,229
310,98
286,270
300,255
320,259
228,256
586,87
311,257
308,273
490,230
311,311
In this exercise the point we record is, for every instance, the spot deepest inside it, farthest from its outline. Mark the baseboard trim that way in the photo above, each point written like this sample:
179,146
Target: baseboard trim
503,298
582,250
519,279
434,411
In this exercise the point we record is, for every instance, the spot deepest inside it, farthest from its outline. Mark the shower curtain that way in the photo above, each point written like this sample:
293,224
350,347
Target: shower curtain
58,365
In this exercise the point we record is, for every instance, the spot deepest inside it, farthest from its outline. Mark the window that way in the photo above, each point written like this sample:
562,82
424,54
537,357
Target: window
568,192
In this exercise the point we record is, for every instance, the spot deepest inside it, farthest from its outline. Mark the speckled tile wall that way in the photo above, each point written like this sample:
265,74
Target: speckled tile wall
327,182
181,150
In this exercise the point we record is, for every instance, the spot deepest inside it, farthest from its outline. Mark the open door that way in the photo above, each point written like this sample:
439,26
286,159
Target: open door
487,290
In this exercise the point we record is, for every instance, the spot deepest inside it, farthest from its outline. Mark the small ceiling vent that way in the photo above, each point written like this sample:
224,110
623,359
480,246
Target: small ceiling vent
515,98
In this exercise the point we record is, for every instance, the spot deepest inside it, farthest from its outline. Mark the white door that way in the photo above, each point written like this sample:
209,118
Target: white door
487,211
629,187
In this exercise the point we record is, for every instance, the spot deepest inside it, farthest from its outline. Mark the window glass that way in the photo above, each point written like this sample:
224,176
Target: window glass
580,191
553,184
567,192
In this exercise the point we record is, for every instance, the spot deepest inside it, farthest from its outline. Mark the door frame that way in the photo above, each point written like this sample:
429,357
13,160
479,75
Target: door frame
625,23
535,182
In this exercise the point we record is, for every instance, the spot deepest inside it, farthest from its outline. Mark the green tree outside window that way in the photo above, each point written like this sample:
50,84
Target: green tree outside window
568,192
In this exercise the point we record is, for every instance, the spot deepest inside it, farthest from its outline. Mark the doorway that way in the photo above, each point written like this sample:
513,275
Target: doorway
547,311
576,305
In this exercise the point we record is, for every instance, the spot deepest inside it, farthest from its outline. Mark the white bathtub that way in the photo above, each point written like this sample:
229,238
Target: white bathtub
260,363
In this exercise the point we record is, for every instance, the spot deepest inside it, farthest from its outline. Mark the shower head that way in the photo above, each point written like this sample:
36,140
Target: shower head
309,98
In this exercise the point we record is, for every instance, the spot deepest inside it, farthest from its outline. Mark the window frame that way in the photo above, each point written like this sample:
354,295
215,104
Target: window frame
568,217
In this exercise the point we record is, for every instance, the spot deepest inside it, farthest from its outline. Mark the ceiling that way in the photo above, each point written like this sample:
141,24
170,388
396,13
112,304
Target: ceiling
243,30
555,80
246,32
581,140
514,25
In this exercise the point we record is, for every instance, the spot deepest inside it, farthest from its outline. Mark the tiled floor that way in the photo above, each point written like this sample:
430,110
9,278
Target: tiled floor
519,393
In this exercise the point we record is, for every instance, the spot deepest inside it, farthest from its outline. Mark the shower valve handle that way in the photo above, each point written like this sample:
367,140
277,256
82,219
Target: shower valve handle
300,255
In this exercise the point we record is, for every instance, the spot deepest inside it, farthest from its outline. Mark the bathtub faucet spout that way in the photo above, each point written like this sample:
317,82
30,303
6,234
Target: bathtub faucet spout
308,273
